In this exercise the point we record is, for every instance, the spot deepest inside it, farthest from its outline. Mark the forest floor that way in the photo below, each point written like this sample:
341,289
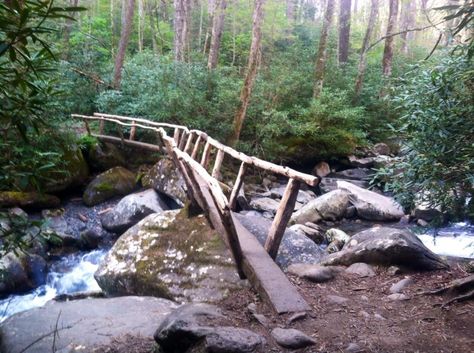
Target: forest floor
367,319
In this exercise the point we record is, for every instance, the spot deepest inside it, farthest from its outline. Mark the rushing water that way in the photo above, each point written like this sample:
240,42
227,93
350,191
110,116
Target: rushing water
454,240
70,275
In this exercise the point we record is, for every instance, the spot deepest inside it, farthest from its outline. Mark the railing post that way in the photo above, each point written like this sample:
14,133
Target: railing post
217,164
182,140
205,155
133,130
285,209
188,143
101,127
238,184
196,148
176,136
86,123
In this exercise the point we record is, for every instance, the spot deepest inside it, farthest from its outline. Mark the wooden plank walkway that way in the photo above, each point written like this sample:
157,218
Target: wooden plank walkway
253,261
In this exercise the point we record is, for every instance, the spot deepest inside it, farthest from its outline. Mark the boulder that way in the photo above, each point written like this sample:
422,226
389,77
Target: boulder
82,324
132,209
264,204
337,235
329,184
21,273
165,178
200,328
292,338
330,206
381,149
117,181
28,199
365,162
361,269
55,222
294,247
401,285
353,174
312,233
370,205
428,213
304,196
172,256
387,246
104,156
321,169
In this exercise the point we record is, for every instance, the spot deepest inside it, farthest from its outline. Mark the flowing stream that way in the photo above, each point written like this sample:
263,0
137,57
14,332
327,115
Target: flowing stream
71,275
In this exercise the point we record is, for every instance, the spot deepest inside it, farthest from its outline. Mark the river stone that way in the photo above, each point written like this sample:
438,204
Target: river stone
265,204
330,206
315,234
363,174
82,324
313,273
292,338
172,256
361,269
132,209
387,246
304,196
28,199
401,285
229,340
398,297
370,205
165,178
117,181
337,235
294,247
330,184
21,273
321,169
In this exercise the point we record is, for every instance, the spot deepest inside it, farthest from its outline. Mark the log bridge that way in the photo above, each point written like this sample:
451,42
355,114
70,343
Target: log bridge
190,151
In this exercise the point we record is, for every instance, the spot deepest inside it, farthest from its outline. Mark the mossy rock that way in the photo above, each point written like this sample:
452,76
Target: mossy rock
172,256
117,181
28,199
104,156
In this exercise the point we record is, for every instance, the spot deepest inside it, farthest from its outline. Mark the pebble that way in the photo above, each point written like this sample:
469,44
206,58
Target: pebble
337,299
401,285
292,338
353,348
398,297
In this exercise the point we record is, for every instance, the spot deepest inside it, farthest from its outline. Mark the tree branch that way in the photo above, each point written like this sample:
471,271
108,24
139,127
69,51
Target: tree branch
93,77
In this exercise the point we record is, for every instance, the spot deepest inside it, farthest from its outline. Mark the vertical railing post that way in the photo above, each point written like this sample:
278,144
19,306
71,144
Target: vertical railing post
238,184
133,130
217,164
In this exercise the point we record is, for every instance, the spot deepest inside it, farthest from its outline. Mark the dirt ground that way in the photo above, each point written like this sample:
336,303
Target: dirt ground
367,319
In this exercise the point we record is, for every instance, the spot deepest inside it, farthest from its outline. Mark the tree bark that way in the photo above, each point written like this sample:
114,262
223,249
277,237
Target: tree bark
124,37
251,73
291,10
67,28
374,11
407,22
216,33
140,25
344,30
322,50
181,30
388,50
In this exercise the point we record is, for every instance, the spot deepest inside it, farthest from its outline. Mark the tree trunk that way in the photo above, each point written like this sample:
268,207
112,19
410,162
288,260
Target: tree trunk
181,22
374,12
216,34
407,22
67,28
140,25
322,50
251,73
291,10
127,20
344,30
388,50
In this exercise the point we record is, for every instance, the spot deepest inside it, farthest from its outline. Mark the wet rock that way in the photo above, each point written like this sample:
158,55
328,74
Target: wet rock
366,162
363,174
351,212
336,299
425,212
132,209
312,233
56,223
172,256
265,204
117,181
381,149
28,199
304,196
398,297
321,169
330,206
199,327
313,273
337,237
294,248
104,156
90,239
361,269
330,184
83,324
292,338
401,285
165,178
387,246
21,273
370,205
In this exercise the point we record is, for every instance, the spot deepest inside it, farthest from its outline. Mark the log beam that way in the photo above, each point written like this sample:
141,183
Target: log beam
237,185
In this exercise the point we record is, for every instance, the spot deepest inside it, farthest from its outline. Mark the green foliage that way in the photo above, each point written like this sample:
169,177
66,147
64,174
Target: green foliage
437,123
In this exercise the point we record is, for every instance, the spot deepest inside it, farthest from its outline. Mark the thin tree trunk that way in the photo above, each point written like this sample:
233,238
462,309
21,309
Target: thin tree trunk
234,41
344,30
216,34
151,15
388,50
374,11
211,9
67,28
140,25
291,10
181,10
112,27
322,50
124,37
407,22
252,66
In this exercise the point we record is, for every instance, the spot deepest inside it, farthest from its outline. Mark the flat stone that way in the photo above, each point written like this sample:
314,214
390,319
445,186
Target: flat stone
265,204
330,206
84,323
292,338
313,273
401,285
231,340
361,269
398,297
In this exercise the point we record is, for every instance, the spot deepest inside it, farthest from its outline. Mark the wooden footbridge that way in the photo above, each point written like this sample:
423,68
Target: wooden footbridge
191,152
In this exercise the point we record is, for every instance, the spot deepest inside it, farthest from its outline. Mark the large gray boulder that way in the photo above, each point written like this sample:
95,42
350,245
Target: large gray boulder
265,204
132,209
386,246
370,205
117,181
82,324
165,178
330,206
170,255
294,248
